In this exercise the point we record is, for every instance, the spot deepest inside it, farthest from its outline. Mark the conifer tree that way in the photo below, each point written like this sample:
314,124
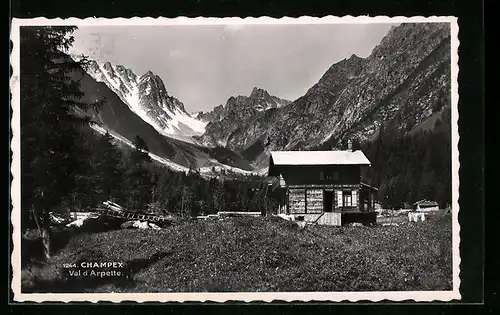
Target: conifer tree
219,196
162,191
107,172
49,134
187,202
138,178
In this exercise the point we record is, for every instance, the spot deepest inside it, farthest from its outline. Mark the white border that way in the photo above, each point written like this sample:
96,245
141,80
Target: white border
427,296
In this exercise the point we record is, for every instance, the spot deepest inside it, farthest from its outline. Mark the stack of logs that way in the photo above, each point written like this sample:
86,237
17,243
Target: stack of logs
114,210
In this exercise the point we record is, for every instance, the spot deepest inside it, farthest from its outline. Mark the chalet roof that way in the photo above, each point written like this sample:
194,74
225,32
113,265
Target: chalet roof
368,186
300,158
426,203
319,158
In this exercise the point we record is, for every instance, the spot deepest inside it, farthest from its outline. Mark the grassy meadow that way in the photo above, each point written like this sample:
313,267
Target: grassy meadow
254,254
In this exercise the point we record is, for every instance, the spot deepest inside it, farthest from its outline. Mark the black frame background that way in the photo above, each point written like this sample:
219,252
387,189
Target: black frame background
471,127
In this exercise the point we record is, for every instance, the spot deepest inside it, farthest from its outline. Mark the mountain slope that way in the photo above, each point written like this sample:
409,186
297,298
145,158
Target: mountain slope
406,79
148,98
117,117
239,110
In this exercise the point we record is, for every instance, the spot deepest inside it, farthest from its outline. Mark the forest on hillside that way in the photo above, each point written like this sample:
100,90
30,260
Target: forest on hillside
407,164
407,167
131,178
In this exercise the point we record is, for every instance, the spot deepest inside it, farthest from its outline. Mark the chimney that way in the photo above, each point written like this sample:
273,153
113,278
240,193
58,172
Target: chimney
349,145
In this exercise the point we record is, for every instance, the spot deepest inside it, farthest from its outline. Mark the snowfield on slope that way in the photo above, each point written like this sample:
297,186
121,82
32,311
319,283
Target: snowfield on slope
174,123
204,171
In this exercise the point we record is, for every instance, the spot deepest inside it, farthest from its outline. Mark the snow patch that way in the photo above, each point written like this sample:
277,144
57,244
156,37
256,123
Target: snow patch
222,167
183,124
172,165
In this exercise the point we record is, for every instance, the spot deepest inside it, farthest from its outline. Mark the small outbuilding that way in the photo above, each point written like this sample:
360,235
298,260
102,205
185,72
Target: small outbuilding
425,205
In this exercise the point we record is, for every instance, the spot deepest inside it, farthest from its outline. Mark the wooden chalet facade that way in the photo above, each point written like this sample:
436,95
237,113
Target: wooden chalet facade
322,186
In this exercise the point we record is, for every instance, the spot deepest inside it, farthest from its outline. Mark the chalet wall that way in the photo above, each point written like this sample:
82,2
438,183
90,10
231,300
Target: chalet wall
309,217
299,175
337,219
311,199
314,200
366,218
304,189
331,218
297,200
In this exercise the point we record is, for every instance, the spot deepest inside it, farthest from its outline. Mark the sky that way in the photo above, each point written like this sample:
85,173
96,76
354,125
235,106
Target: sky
203,66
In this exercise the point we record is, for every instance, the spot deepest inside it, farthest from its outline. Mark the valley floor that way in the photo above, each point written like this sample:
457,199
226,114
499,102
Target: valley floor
255,254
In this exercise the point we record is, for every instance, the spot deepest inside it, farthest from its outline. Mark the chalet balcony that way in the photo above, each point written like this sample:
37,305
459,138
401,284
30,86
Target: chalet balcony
277,182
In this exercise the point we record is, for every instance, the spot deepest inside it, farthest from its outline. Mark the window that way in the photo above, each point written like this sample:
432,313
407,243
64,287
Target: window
328,175
347,199
338,194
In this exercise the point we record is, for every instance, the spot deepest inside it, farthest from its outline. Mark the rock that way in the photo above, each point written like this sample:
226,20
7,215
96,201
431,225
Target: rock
239,110
127,225
301,224
141,225
137,224
154,226
77,223
390,224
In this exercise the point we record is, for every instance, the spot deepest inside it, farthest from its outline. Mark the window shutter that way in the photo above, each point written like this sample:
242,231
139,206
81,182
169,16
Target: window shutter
354,198
339,198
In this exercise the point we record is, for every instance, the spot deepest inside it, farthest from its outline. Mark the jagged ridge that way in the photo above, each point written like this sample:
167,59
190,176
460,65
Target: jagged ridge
238,110
148,98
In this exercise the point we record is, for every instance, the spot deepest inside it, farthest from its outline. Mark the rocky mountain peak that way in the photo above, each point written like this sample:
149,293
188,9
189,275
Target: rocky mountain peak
92,65
149,75
239,110
337,77
354,57
152,82
147,96
212,115
108,67
259,93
